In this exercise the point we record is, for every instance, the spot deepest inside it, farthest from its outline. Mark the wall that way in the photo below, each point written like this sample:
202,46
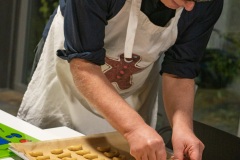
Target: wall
7,32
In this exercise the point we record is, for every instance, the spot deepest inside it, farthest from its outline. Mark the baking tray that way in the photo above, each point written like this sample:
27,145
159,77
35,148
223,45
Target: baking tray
112,139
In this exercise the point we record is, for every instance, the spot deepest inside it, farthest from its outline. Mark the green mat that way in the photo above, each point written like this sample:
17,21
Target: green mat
10,135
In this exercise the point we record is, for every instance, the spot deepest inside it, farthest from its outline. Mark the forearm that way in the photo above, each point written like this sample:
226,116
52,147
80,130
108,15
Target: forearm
100,93
178,95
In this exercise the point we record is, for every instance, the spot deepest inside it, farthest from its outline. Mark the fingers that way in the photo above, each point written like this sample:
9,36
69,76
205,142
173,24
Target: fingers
144,157
194,152
188,5
156,156
150,155
178,153
186,145
161,154
146,144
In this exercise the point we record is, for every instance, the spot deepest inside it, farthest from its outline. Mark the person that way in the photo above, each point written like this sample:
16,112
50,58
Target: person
103,64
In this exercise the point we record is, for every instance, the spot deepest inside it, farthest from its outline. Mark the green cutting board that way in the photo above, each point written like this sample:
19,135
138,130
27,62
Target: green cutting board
10,135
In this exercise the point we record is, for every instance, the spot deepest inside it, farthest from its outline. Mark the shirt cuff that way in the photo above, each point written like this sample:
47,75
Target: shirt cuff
181,69
96,57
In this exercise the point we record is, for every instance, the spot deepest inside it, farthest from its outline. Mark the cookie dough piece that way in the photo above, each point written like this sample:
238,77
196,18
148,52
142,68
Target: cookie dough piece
57,151
103,148
43,157
98,159
90,156
36,154
67,158
75,148
82,152
120,157
63,155
112,153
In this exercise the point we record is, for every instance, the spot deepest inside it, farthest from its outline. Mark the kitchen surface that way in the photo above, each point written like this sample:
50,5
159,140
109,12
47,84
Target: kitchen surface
21,139
17,130
14,130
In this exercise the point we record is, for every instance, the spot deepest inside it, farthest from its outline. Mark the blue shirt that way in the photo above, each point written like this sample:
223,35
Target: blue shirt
85,21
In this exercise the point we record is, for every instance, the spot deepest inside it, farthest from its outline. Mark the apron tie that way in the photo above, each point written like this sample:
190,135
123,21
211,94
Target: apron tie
132,28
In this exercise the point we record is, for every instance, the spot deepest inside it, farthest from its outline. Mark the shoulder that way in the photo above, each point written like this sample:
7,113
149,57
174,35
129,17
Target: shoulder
107,7
210,10
204,14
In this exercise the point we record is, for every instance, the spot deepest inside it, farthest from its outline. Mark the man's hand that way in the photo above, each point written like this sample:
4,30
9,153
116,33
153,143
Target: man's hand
178,94
174,4
186,145
146,144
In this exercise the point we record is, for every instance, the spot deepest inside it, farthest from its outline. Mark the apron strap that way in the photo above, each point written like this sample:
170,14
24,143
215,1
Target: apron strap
132,28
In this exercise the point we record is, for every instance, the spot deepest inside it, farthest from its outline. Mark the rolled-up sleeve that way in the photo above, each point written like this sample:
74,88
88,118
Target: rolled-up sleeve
84,26
194,31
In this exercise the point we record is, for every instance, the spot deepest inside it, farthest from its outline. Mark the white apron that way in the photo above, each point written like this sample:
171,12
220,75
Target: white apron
133,49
